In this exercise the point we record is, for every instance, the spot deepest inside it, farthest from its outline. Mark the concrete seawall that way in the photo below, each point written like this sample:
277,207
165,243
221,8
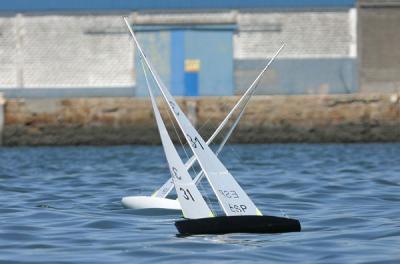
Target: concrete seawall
268,119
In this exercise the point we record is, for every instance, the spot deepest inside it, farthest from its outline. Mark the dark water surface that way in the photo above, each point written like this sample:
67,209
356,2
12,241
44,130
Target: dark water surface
62,205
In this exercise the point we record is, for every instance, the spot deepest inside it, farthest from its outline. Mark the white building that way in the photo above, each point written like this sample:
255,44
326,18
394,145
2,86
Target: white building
80,50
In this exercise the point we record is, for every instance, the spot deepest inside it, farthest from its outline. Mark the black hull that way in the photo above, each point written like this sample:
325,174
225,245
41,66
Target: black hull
237,224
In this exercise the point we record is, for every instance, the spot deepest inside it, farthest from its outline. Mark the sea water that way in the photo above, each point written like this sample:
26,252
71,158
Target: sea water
62,205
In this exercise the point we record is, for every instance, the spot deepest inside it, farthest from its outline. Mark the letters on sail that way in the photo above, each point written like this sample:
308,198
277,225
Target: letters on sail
191,200
232,198
167,187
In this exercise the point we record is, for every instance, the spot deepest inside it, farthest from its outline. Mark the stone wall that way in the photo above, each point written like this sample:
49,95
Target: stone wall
268,119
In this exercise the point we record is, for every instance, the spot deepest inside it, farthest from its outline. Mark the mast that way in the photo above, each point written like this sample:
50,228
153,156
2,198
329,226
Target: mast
166,188
232,198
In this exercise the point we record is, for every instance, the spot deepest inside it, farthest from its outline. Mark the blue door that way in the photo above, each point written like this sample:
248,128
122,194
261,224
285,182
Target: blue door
213,49
191,62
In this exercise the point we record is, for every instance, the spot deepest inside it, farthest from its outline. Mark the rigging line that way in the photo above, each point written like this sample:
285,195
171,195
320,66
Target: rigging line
235,153
180,141
184,149
206,195
192,167
241,112
224,106
230,131
204,125
169,115
194,171
161,86
232,128
154,79
201,184
177,133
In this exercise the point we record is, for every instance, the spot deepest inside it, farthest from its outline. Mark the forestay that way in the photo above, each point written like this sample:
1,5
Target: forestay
232,198
191,200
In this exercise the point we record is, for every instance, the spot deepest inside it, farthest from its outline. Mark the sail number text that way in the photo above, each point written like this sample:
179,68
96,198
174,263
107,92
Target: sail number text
186,194
175,173
195,142
229,194
173,106
237,208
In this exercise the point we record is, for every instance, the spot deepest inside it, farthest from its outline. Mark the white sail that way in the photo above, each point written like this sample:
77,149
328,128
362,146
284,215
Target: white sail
166,188
200,175
232,198
191,200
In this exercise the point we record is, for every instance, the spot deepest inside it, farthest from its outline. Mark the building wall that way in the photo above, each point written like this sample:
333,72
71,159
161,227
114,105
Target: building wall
319,57
158,49
86,51
168,49
65,50
379,34
8,52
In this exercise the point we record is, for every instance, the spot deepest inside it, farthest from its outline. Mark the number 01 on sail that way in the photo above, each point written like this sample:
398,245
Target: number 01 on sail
241,214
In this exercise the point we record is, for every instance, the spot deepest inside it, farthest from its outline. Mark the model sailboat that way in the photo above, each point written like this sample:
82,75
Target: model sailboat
241,214
159,200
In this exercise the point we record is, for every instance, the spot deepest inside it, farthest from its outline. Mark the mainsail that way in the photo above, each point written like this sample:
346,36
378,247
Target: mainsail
191,200
167,187
232,198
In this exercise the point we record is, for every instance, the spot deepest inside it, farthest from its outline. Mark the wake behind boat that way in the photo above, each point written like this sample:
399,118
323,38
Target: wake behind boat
241,214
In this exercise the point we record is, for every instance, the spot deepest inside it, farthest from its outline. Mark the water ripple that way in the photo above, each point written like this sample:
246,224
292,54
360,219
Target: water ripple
62,205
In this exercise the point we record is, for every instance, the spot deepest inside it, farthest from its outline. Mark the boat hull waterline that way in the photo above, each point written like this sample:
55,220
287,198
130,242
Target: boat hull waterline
237,224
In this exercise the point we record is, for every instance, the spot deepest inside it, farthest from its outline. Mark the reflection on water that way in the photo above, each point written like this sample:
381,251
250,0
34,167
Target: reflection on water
235,239
64,204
